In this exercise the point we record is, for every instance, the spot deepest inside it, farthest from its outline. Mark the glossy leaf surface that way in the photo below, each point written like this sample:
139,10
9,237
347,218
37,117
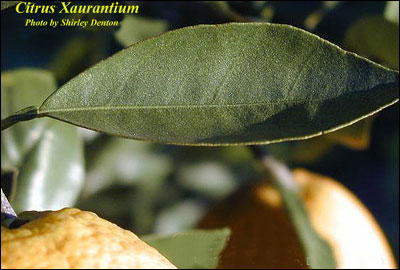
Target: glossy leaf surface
52,174
227,84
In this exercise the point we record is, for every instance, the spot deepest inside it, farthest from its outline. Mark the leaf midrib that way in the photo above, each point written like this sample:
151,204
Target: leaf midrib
155,107
162,107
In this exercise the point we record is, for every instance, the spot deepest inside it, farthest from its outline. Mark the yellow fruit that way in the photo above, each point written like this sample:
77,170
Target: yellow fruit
263,237
71,238
340,217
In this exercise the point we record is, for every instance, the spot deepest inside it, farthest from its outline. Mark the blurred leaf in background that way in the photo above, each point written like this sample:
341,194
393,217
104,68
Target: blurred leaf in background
124,161
73,57
375,38
136,28
392,11
20,89
138,167
47,154
170,219
213,179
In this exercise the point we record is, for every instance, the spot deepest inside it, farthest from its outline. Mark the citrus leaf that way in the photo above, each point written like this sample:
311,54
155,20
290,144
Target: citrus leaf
239,83
47,153
197,249
377,39
380,45
7,4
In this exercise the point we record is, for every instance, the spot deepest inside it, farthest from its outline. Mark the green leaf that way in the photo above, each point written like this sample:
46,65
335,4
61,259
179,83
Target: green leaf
191,250
378,40
73,57
135,28
19,89
319,254
239,83
7,4
47,153
375,38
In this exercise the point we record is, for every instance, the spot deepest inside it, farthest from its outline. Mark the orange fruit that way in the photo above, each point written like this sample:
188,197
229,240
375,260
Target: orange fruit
71,238
263,236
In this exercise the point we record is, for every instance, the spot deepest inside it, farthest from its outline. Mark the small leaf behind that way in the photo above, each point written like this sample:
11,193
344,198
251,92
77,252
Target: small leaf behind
7,4
19,89
375,38
197,249
392,11
135,28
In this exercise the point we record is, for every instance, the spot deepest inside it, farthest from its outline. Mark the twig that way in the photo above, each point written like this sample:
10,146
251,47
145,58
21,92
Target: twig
23,115
276,171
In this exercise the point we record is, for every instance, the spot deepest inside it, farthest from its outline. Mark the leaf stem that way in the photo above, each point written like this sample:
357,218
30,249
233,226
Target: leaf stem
22,115
276,171
318,252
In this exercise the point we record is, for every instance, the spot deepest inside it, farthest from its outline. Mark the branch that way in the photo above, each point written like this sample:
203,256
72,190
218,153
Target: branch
23,115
